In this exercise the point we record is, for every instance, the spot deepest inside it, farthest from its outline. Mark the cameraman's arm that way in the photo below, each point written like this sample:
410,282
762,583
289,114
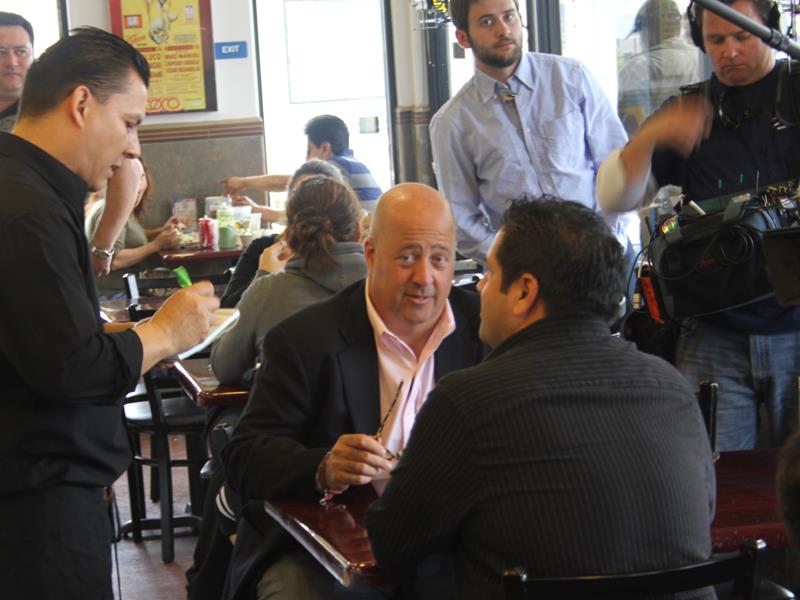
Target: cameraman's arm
624,177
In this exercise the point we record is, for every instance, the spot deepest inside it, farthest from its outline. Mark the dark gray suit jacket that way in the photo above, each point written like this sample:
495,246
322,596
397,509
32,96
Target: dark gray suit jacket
319,381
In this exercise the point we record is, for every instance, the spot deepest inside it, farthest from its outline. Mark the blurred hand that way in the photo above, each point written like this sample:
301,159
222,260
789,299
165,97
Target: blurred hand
274,258
167,238
176,222
186,316
101,266
355,459
234,185
243,201
681,125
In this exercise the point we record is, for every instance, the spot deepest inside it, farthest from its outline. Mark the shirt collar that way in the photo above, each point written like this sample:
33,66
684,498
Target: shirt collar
65,182
523,76
445,324
559,329
11,110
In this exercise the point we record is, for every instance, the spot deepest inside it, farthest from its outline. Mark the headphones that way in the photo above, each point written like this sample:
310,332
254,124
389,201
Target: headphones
695,28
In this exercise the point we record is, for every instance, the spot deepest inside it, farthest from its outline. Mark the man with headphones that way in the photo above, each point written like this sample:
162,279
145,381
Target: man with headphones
727,135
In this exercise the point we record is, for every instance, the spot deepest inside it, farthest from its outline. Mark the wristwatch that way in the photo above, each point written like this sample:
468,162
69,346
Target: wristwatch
99,253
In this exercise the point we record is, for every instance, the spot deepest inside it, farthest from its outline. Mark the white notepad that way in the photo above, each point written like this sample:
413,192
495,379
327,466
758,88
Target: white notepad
223,319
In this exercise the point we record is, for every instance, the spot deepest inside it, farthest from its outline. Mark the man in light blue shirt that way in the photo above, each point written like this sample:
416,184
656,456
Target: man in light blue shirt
533,124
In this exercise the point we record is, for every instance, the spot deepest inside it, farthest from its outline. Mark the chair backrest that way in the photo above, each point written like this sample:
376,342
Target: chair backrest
741,568
158,286
707,399
136,286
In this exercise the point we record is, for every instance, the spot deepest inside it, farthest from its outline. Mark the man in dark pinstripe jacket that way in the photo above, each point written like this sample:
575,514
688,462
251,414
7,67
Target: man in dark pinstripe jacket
567,451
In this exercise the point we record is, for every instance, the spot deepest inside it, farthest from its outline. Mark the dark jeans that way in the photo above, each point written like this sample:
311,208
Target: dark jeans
56,544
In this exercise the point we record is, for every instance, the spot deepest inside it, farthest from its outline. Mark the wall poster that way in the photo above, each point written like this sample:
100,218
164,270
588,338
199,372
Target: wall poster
175,36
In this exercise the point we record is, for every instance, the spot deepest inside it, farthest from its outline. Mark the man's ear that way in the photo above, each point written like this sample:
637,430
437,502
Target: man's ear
327,152
463,38
78,104
369,251
525,295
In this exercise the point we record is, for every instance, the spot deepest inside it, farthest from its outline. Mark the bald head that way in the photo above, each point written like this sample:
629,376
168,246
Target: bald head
412,201
410,256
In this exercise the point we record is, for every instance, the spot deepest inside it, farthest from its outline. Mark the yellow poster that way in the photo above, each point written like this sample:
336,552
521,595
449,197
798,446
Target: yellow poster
175,38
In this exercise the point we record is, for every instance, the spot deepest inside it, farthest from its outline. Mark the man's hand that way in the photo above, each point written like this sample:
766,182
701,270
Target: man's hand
355,459
234,185
244,201
100,265
181,322
681,125
187,315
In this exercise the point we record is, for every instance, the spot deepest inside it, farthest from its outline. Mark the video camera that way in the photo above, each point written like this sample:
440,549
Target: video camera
724,253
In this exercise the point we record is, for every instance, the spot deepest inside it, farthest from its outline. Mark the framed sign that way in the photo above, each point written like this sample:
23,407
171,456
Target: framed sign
176,39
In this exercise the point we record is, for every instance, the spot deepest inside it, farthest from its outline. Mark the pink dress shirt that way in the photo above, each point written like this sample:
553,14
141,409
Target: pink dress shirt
397,362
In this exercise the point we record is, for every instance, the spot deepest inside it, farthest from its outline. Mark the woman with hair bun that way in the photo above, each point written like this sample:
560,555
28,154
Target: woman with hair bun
264,254
322,234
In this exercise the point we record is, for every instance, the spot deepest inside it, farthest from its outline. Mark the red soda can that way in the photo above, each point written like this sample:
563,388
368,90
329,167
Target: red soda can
204,232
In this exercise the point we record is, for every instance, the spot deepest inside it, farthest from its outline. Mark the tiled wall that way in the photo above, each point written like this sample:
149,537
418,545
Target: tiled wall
189,160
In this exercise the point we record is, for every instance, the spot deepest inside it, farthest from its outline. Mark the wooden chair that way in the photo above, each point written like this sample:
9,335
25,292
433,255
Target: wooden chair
164,412
741,569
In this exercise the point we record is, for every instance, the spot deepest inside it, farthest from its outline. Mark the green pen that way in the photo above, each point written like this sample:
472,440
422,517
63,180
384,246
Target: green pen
182,276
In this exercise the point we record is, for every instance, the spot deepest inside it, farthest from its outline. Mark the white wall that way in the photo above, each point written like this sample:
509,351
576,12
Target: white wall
237,82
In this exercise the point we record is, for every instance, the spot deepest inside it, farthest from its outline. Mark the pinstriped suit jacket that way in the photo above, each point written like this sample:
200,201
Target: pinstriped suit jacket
567,451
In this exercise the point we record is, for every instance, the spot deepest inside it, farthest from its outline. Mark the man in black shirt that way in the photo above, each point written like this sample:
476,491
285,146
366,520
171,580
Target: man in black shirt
16,56
737,141
62,437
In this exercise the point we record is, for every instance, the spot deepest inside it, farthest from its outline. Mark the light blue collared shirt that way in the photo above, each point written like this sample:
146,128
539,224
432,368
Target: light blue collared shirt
483,158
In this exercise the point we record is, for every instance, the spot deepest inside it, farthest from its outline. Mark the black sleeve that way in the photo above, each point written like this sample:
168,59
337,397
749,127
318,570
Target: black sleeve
430,491
245,270
51,335
668,168
266,459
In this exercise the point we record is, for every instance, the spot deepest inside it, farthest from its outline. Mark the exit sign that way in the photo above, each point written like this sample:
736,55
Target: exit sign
230,50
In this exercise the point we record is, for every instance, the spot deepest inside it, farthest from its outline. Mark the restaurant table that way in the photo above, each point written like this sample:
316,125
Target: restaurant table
198,380
335,535
174,257
116,311
746,500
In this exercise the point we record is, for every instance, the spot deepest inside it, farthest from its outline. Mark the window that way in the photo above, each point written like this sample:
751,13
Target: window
46,22
311,65
640,53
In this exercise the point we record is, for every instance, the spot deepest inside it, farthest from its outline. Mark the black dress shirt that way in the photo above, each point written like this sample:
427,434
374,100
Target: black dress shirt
62,377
